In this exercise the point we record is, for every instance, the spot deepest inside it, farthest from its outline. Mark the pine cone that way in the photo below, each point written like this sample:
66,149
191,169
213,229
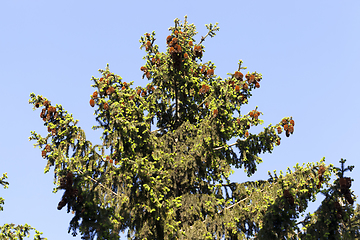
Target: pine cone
62,203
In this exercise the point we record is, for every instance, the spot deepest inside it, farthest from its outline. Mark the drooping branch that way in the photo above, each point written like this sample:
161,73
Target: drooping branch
97,182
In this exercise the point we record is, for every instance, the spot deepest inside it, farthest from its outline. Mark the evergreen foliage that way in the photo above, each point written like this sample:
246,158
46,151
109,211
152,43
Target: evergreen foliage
172,182
12,231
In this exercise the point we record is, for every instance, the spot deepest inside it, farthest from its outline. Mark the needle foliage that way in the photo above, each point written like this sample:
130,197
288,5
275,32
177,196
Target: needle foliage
162,169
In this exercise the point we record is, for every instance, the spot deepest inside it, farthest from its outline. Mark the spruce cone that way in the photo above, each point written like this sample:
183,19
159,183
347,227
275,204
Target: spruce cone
62,203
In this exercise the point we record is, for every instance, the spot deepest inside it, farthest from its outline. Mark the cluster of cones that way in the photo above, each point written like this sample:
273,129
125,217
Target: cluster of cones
289,197
111,161
242,86
207,72
146,72
254,114
144,91
108,90
70,192
288,126
251,79
45,151
204,89
48,114
320,175
175,51
198,51
345,184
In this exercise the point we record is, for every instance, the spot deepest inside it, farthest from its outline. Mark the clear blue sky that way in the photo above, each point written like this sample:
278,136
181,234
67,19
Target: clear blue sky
307,51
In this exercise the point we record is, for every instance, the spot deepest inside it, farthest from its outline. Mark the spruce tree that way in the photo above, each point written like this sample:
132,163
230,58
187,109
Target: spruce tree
10,231
162,169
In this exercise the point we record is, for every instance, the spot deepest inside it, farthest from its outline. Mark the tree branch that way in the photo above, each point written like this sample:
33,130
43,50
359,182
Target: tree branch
114,193
218,148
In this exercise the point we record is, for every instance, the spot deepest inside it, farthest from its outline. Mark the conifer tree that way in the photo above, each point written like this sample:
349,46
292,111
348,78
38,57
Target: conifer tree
162,169
10,231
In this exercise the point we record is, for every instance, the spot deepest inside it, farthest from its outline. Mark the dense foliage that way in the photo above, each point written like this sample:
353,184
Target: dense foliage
162,169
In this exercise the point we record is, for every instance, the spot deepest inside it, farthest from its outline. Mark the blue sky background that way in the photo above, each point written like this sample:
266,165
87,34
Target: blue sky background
307,51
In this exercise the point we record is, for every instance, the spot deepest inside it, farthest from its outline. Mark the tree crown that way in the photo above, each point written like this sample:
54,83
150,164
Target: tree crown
173,181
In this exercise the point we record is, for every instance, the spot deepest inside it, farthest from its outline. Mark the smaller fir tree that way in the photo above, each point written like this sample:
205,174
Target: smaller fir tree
10,231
